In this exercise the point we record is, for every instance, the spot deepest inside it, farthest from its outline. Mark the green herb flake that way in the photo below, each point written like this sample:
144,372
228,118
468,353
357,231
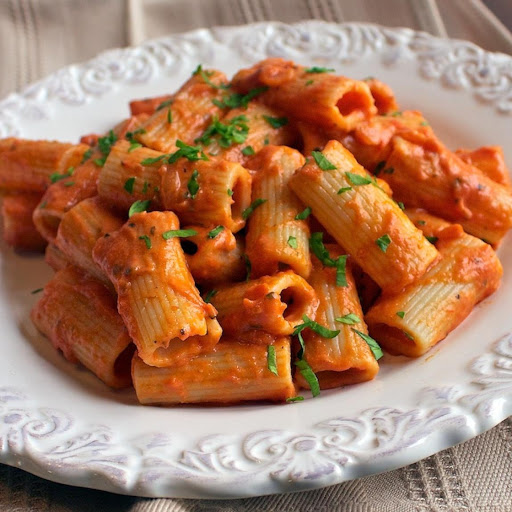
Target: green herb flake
248,151
43,205
38,290
230,192
424,123
150,161
343,190
237,100
322,161
304,214
374,346
401,205
272,359
309,82
276,122
214,232
400,314
421,223
315,327
134,145
309,376
69,184
266,142
250,209
128,185
209,296
145,187
164,104
100,162
130,135
432,239
105,143
138,207
318,248
205,75
407,335
292,242
191,153
357,179
295,399
398,113
178,233
86,156
193,185
316,69
234,131
147,240
383,242
169,116
348,319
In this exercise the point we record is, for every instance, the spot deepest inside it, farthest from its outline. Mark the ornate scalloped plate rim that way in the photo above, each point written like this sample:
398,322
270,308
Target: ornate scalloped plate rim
266,461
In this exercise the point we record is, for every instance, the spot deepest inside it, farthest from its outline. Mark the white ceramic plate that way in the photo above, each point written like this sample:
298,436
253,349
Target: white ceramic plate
59,422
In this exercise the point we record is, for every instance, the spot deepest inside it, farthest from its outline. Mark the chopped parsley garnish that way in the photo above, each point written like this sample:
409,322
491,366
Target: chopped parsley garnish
304,214
134,145
192,153
214,232
209,296
432,239
421,223
105,145
374,346
401,314
205,75
43,205
248,267
86,156
310,82
147,240
130,135
315,327
401,205
316,69
357,179
322,161
292,242
128,185
230,192
56,176
169,116
250,209
348,319
138,207
295,399
383,242
178,233
164,104
248,151
396,114
234,132
343,189
407,335
69,184
271,359
145,187
276,122
193,185
309,376
266,142
318,248
33,292
237,100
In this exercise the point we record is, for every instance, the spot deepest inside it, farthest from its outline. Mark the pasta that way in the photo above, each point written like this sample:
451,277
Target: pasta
243,240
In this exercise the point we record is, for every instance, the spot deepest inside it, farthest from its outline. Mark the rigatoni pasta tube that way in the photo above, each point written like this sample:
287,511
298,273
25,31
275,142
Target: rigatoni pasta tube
79,230
124,179
232,372
157,297
71,188
28,164
427,175
78,314
488,159
363,219
214,255
187,114
323,99
207,192
273,304
19,229
55,258
276,240
413,321
346,358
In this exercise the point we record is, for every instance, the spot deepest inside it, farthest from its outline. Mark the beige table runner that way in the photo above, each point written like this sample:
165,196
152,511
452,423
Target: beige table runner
40,36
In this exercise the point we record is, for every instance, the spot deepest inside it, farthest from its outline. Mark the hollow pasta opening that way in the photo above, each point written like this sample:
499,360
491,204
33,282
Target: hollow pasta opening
351,102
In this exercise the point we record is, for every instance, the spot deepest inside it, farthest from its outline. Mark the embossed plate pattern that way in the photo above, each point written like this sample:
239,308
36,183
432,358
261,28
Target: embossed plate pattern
59,422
